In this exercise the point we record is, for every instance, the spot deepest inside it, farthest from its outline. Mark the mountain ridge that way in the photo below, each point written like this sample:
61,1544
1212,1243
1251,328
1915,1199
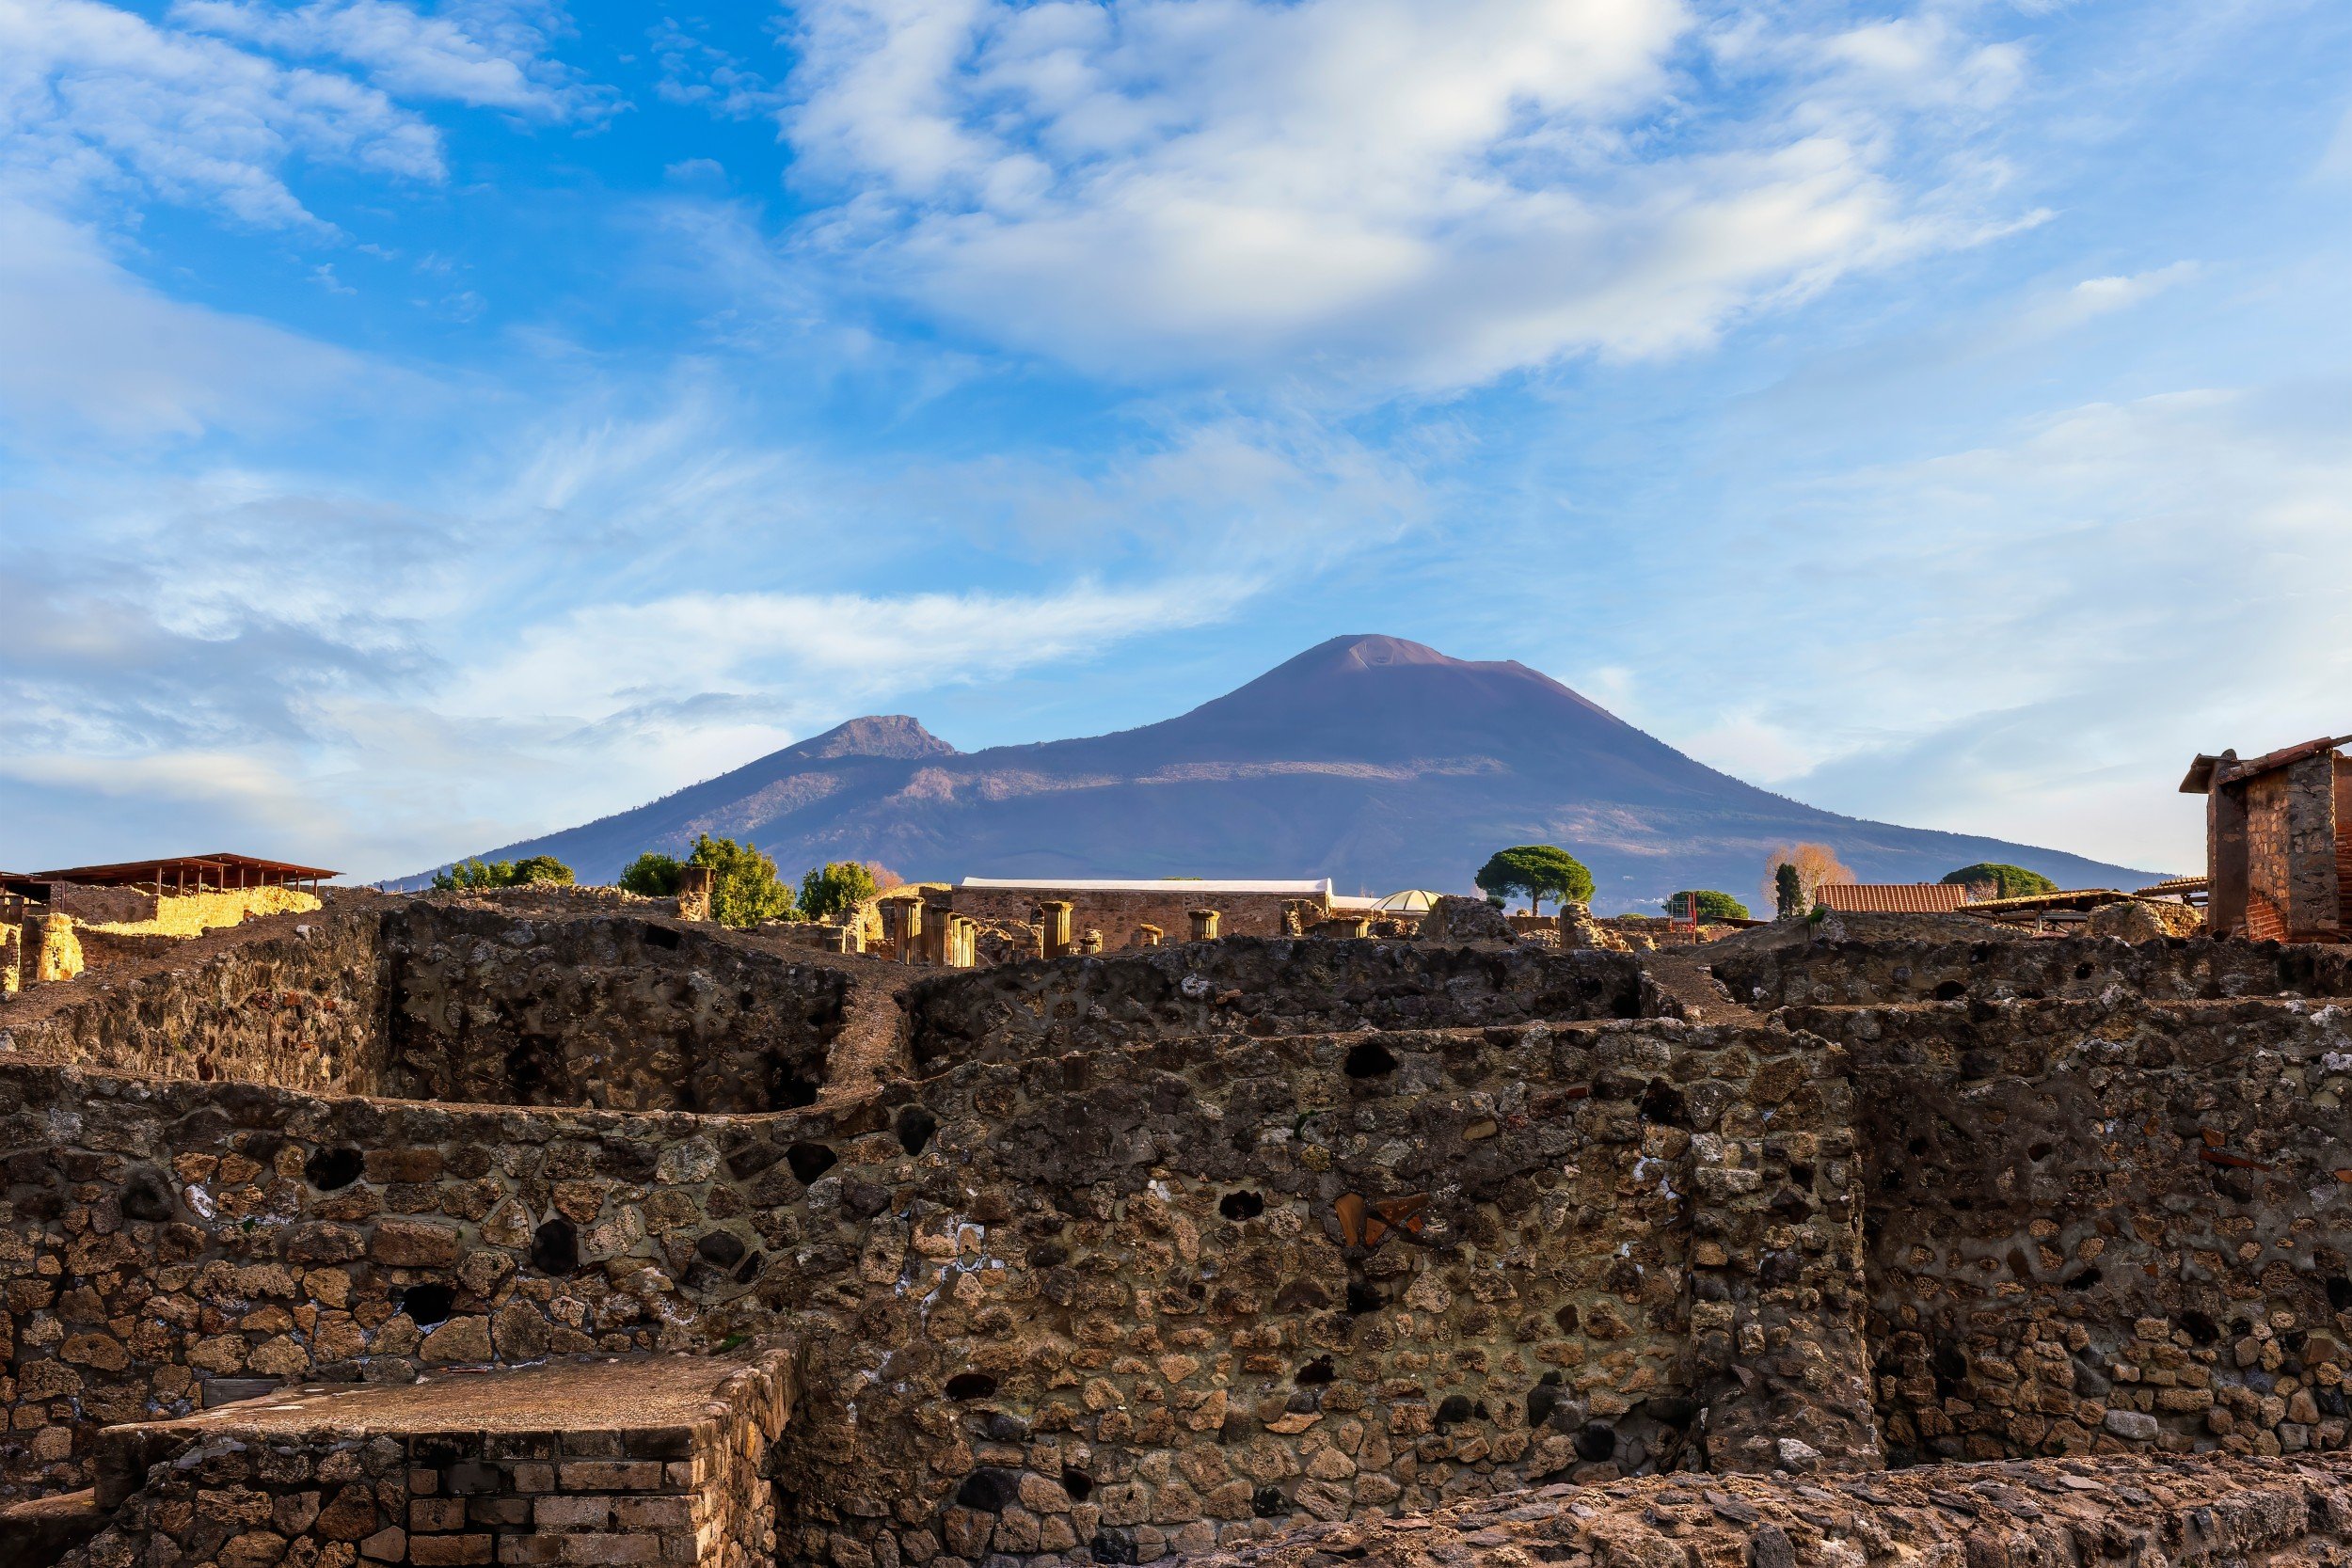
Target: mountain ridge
1376,760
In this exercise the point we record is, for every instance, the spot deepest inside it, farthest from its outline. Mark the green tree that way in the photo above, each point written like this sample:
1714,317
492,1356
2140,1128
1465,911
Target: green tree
1712,905
475,872
1789,890
653,874
743,886
1538,870
839,887
2007,882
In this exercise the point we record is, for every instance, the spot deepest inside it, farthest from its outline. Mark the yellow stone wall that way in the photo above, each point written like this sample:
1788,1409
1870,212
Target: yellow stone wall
194,913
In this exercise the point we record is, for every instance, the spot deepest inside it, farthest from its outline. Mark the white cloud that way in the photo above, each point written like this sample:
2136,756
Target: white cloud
2031,639
91,95
1415,193
485,55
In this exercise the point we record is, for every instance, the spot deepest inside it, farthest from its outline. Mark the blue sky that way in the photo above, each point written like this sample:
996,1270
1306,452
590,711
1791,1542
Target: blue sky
423,426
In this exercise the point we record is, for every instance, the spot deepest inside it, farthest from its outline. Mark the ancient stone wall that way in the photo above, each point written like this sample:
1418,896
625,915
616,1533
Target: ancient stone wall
1263,987
302,1007
2105,1224
1997,967
2291,851
493,1007
2148,1512
1120,916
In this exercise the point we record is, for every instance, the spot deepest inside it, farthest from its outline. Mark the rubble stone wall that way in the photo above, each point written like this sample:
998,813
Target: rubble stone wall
502,1007
304,1009
2106,1226
1264,986
1877,973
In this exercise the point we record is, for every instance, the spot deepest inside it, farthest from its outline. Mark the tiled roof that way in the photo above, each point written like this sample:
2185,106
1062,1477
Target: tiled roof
1891,897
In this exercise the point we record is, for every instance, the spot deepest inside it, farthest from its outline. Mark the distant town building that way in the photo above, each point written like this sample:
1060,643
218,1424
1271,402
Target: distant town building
2277,855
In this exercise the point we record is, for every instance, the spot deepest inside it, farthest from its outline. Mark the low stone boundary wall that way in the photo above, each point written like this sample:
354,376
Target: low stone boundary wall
2148,1512
635,1461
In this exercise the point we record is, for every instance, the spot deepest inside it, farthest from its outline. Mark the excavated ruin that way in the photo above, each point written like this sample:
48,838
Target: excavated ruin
469,1230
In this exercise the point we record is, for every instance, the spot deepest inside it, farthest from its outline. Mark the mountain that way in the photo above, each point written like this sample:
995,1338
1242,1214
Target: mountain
1377,761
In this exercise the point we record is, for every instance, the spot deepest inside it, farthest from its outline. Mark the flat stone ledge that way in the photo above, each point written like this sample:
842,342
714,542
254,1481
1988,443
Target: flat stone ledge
2151,1512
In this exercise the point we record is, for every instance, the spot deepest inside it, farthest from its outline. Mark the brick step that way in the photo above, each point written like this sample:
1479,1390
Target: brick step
651,1459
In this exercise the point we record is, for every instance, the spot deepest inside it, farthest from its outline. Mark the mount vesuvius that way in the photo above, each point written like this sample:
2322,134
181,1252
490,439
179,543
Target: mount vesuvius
1377,761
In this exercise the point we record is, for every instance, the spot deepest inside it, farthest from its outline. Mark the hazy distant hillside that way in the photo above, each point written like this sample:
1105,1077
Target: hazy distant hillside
1377,761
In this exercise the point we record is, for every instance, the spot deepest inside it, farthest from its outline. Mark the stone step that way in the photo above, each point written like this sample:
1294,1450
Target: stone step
655,1459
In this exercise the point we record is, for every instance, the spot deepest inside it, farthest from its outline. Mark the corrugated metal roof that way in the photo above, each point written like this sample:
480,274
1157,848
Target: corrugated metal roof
1320,888
2070,899
1891,897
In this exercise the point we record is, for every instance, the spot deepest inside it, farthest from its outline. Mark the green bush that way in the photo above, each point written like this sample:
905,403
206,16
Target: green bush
743,886
2007,881
1712,905
1538,870
835,889
653,876
475,872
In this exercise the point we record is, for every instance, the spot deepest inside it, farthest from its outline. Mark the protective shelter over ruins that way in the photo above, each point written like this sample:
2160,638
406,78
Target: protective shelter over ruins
2277,841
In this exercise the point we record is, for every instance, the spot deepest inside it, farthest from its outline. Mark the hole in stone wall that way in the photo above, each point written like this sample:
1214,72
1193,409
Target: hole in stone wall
1268,1502
146,1196
1318,1370
1543,1400
1369,1059
1596,1441
1076,1482
2038,1152
2202,1329
1362,1298
989,1489
809,1161
329,1168
915,1129
2084,1279
2340,1293
555,1246
427,1305
1950,990
1456,1407
1661,1102
971,1386
793,1091
2082,972
1241,1206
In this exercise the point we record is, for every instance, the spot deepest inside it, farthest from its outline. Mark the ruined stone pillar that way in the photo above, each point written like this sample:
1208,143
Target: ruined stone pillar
966,950
939,919
1780,1356
909,931
1203,924
12,957
694,884
1056,941
1091,943
1148,935
1359,926
60,953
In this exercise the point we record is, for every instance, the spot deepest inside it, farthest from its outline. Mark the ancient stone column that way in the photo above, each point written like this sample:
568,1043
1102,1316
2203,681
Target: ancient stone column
60,953
1203,924
940,920
1360,925
1148,935
966,950
693,892
12,957
910,931
1056,941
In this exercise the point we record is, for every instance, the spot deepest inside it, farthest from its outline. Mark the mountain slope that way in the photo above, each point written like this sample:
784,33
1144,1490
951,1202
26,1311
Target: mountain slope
1378,761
